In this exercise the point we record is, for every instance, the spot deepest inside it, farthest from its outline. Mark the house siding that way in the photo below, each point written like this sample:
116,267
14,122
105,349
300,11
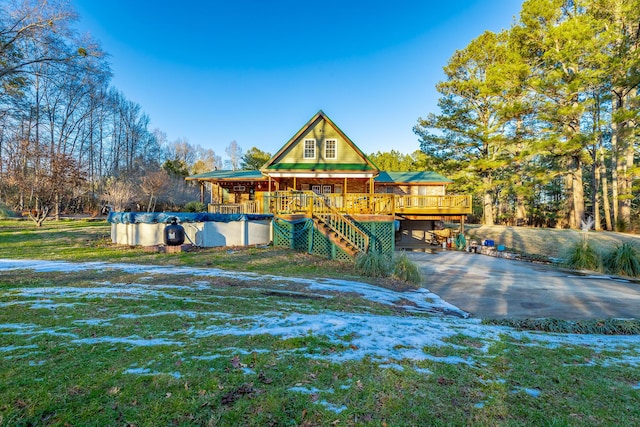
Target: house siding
321,131
353,185
413,190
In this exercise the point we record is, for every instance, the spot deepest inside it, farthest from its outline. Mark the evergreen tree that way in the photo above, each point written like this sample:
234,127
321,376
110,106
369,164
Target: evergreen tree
470,128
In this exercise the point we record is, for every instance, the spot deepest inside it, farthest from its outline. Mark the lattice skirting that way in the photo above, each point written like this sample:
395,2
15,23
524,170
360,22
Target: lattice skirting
302,235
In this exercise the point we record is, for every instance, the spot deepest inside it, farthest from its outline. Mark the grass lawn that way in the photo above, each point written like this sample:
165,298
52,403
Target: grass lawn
267,337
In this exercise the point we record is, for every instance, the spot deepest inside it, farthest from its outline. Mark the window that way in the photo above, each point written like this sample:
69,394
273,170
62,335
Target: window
309,148
330,149
316,188
326,189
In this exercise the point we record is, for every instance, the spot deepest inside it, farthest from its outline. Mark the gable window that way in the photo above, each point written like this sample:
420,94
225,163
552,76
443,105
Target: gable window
330,149
309,148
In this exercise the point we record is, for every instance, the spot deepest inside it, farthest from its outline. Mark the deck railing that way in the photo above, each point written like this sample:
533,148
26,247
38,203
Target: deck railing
454,204
362,203
300,202
248,207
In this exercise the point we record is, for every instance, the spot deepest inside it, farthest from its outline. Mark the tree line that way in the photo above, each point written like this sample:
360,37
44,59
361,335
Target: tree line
540,121
69,141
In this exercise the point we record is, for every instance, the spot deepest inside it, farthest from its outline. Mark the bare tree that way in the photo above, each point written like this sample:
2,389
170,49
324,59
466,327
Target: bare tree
40,25
44,180
207,161
56,107
119,193
181,150
153,185
234,152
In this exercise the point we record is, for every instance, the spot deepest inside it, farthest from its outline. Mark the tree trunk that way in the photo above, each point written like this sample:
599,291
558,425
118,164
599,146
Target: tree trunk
576,209
597,196
57,207
615,162
521,207
487,203
626,150
597,167
605,192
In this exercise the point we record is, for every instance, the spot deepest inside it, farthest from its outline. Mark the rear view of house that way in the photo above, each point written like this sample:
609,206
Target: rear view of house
323,176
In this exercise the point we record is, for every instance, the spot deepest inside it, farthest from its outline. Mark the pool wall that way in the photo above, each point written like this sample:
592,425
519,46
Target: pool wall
205,231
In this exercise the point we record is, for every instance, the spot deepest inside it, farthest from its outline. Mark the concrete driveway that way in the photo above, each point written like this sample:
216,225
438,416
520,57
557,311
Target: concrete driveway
489,287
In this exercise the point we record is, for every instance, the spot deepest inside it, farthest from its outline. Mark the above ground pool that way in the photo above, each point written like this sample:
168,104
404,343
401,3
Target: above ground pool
201,229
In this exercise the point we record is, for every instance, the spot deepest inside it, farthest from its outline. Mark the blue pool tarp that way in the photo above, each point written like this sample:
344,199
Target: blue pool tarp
165,217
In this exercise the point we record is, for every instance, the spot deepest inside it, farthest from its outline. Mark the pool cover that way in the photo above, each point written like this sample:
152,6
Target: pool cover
165,217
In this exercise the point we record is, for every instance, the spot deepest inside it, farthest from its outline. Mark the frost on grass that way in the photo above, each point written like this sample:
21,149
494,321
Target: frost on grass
420,300
10,348
314,393
149,372
533,392
387,340
130,341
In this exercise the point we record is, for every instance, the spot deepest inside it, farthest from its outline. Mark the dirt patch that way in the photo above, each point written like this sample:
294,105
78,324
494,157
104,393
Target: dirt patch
546,242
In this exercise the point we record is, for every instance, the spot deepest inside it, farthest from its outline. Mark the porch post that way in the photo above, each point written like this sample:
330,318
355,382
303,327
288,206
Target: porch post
201,191
294,183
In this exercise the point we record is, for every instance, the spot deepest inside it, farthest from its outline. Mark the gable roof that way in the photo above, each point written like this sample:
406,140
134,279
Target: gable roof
420,177
273,163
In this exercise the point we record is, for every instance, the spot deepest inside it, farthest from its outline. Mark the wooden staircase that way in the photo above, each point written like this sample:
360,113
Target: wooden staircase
338,228
342,231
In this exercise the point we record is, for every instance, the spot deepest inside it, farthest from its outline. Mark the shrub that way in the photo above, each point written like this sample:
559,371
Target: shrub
582,256
373,264
5,212
195,207
621,226
405,269
623,260
602,327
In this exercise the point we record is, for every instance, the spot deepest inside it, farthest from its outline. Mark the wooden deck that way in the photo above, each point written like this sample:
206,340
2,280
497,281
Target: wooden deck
301,202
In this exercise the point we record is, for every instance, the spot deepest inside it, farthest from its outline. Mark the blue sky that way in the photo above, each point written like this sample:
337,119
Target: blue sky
256,71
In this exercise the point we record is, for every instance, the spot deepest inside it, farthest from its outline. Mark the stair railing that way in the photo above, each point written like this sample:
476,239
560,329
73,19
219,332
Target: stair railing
338,223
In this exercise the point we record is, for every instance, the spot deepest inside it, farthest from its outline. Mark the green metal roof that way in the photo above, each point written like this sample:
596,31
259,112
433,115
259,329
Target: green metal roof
230,175
321,167
421,177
